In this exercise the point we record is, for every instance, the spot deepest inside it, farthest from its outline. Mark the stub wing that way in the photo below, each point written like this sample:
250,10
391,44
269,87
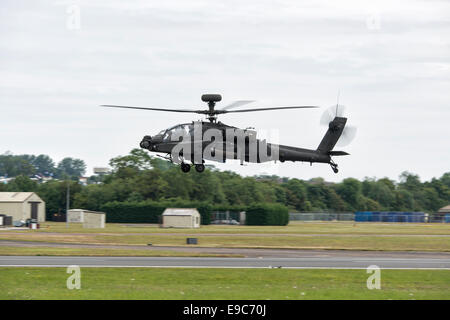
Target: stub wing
338,153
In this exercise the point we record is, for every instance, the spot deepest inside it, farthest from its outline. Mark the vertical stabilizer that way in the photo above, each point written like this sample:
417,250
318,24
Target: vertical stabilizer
332,135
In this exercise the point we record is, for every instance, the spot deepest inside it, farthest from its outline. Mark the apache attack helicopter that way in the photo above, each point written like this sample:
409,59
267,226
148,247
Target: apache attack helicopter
211,139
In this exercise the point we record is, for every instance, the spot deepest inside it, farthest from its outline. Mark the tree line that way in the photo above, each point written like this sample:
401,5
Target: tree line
42,165
138,177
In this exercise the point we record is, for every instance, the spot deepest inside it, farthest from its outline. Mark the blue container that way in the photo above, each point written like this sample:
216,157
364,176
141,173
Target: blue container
376,216
408,216
391,216
419,216
447,218
362,216
400,217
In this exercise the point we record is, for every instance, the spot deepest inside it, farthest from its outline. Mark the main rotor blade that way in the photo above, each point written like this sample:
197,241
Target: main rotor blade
236,104
156,109
267,109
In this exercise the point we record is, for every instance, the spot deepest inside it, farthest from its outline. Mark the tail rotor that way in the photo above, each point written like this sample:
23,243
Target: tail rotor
339,111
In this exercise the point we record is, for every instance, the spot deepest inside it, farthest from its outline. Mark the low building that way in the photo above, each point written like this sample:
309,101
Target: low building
94,219
89,219
75,215
444,214
444,210
22,206
181,218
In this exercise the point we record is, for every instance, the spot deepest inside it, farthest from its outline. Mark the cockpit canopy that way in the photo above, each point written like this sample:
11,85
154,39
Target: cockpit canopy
180,130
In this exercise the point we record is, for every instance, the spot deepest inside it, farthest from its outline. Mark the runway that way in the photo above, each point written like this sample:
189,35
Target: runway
317,262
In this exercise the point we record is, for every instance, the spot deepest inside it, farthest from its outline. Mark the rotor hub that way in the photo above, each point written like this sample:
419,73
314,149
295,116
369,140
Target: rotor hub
211,99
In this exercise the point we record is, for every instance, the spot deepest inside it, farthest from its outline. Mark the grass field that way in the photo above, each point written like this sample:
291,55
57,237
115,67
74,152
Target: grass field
99,252
322,235
193,284
294,227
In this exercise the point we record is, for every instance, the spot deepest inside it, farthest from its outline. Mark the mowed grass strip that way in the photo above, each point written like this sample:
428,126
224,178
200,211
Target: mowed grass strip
98,252
193,284
294,227
361,242
308,242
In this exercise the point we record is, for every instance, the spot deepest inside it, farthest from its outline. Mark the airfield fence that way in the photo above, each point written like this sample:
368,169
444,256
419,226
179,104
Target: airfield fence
225,217
321,216
375,216
369,216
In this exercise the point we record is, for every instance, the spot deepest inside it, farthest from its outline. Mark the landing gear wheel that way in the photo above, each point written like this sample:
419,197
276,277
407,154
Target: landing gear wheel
185,167
334,166
200,167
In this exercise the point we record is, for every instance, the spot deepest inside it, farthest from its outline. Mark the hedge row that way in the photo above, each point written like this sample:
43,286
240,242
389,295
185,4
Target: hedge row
267,215
149,211
231,208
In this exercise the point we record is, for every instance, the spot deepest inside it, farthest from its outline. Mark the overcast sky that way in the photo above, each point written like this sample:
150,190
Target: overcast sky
59,60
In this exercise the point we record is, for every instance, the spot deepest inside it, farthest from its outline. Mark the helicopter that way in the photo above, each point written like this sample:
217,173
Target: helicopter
213,140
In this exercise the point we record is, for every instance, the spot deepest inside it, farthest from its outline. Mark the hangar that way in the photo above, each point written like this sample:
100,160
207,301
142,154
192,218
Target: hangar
181,218
444,210
444,214
22,206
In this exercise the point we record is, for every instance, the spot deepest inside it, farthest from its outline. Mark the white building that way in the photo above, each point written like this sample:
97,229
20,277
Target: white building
75,215
181,218
90,219
94,219
22,206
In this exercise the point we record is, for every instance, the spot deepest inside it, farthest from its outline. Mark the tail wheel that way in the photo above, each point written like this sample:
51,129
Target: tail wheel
334,166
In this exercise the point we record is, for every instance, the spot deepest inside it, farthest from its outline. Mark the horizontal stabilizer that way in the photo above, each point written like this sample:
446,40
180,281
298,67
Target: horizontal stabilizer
338,153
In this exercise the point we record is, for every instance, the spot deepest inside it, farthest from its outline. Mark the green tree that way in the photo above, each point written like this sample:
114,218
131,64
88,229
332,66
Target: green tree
350,190
409,181
404,201
334,201
22,184
54,193
150,185
44,164
13,166
296,195
71,167
137,159
94,196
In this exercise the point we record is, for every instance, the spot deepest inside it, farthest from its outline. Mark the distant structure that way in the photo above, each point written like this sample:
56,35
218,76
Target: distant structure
101,170
75,215
94,219
444,210
181,218
5,180
444,214
83,180
89,219
22,206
